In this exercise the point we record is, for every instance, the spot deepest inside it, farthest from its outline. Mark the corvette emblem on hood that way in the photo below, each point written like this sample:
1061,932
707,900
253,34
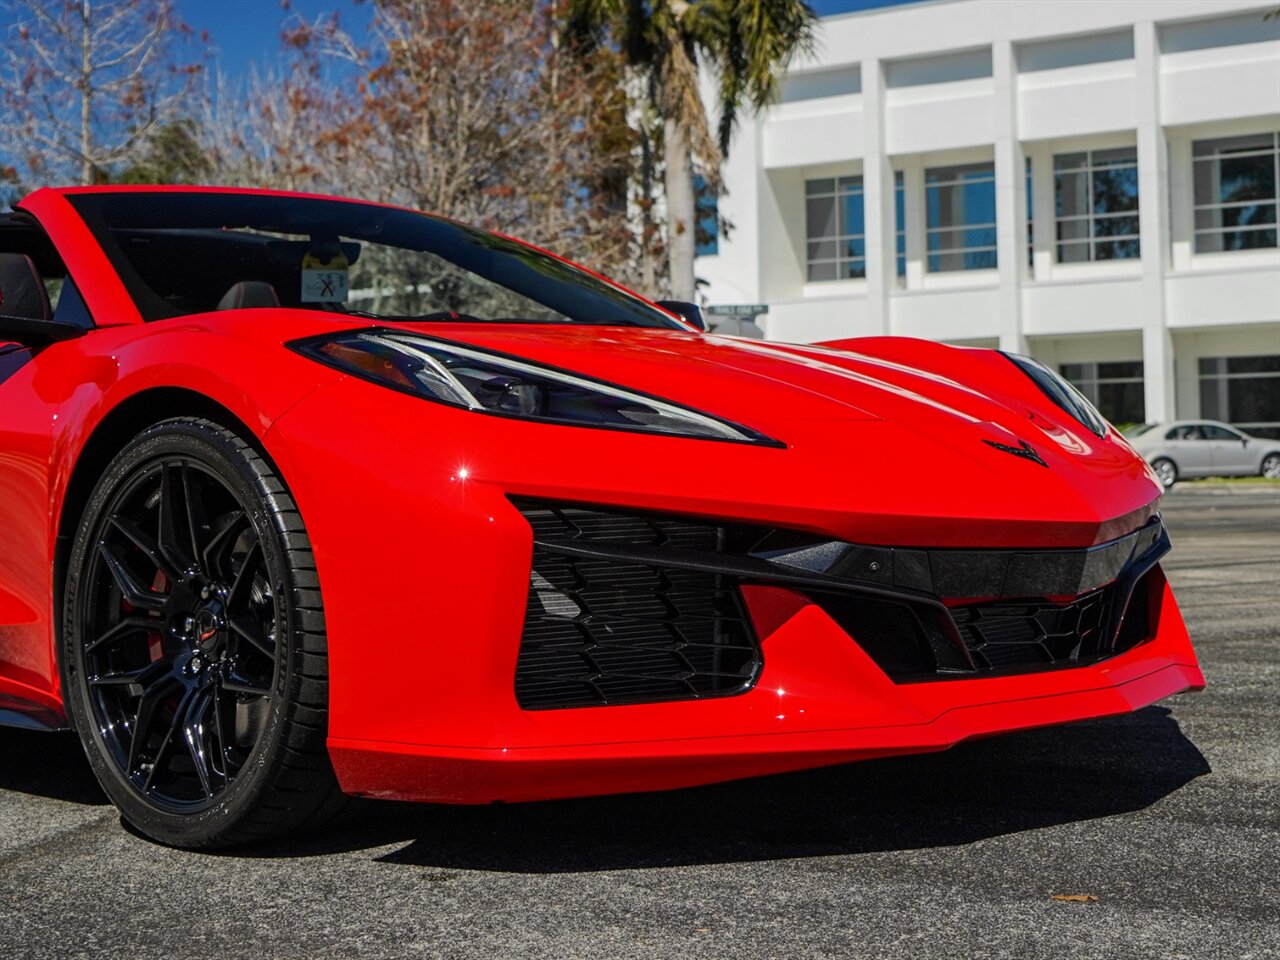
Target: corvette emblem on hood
1026,452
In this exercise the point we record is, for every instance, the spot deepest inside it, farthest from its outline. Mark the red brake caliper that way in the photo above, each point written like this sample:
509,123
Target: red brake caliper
154,643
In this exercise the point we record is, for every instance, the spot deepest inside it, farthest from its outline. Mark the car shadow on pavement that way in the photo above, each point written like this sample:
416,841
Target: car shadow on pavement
49,765
988,788
984,789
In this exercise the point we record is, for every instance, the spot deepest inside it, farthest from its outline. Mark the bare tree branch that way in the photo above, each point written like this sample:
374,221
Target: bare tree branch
103,76
470,109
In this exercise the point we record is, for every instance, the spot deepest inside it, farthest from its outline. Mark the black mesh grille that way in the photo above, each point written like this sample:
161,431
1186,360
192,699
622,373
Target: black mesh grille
601,631
1036,633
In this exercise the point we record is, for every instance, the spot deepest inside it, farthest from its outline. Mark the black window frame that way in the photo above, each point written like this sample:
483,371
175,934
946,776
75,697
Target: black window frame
570,290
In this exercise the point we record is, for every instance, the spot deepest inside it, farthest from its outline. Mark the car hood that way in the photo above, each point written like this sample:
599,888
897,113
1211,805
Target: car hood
930,424
928,388
942,405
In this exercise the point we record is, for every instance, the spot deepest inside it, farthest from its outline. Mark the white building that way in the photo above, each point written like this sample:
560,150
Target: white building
1093,183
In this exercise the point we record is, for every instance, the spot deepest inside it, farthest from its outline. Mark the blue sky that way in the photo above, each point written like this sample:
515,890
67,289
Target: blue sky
245,32
825,8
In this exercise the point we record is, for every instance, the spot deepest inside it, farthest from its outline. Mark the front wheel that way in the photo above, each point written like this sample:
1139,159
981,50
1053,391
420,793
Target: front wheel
1166,472
1271,466
193,648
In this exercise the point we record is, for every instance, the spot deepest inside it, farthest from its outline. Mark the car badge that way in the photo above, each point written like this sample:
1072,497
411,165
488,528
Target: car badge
1026,452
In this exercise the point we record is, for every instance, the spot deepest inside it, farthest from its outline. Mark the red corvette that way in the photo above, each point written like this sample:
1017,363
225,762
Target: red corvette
302,497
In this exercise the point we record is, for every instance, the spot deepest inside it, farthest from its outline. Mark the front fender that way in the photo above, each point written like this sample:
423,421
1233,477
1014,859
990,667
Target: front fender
256,381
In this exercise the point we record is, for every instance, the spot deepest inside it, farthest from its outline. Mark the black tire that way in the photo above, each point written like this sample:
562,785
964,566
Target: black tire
1166,471
1270,465
249,658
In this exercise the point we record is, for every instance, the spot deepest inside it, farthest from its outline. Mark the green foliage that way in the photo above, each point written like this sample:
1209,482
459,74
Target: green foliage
745,43
748,43
171,153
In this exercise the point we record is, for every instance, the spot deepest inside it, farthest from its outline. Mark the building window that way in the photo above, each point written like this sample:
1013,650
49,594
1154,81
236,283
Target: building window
1235,192
1244,391
1115,388
1096,205
900,220
960,206
1031,233
707,208
833,216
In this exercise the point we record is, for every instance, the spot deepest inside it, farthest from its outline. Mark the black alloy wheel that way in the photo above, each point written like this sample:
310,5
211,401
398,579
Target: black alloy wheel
193,644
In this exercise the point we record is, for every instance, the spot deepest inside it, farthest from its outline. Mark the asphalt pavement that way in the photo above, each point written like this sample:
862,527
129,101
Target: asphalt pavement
1170,817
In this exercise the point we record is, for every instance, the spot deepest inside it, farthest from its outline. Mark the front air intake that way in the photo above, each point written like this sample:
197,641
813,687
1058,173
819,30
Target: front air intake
632,607
602,631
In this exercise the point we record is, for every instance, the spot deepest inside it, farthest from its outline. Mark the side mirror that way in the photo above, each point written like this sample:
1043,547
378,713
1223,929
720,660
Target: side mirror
690,313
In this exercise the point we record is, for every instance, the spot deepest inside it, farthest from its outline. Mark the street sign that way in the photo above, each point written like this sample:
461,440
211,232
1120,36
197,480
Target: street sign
738,310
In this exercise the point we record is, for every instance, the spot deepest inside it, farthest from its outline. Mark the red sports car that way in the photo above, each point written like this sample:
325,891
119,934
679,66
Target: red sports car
303,497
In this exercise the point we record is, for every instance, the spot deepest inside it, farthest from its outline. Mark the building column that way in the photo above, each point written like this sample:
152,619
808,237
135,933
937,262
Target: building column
913,203
1011,198
1153,222
1181,187
877,197
1043,225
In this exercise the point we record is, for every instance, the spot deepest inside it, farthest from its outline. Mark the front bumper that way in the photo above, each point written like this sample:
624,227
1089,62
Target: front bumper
425,568
460,775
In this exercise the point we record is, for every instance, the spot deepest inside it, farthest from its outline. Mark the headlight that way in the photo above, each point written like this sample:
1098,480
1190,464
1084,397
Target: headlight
1062,393
499,384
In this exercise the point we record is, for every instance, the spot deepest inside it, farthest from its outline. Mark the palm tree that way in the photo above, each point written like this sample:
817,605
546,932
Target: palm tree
746,43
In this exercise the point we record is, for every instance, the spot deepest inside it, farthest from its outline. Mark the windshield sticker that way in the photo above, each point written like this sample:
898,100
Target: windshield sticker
324,281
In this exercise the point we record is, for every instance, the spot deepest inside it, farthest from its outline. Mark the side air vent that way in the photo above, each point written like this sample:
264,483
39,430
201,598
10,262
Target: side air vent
600,631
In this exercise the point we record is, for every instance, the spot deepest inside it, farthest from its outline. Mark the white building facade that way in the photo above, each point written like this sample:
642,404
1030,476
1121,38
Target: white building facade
1092,183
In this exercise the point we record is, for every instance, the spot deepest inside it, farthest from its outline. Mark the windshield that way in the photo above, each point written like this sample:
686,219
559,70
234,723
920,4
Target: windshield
184,253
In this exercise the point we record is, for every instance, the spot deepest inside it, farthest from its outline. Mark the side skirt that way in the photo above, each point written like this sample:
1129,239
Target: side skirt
25,715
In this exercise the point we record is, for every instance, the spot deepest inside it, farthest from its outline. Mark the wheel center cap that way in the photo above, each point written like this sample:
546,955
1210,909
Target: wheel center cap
207,627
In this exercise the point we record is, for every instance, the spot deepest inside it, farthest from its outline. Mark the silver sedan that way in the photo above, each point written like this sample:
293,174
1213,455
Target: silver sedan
1183,449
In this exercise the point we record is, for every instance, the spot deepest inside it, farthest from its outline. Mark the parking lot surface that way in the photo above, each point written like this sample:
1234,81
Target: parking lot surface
1170,817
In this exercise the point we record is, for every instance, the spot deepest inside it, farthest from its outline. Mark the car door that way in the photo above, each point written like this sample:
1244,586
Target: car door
25,610
1186,445
1230,452
33,382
